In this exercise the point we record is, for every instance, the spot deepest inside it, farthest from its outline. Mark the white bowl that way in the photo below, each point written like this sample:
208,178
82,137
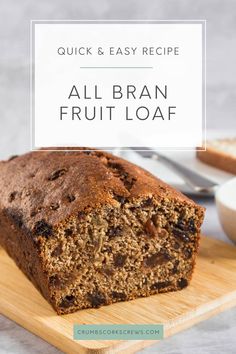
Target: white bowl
226,206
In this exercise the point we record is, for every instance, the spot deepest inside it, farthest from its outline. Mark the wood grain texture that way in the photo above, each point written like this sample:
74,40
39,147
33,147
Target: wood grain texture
212,290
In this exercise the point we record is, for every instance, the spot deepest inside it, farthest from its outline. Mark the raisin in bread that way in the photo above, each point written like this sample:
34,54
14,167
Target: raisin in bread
221,154
90,229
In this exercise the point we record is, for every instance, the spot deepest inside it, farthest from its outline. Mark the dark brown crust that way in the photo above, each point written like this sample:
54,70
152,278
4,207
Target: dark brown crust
40,190
218,159
22,249
86,177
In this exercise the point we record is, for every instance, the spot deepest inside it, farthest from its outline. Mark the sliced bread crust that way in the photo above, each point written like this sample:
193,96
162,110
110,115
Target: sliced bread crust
220,154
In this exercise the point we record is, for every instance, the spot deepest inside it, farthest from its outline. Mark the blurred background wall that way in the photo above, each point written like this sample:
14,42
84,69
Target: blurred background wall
15,53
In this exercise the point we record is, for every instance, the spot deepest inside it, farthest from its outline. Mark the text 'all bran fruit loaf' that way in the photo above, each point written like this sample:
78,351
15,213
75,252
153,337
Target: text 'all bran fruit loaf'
89,229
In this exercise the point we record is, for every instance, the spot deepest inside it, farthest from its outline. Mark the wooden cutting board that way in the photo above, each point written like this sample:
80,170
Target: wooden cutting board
212,290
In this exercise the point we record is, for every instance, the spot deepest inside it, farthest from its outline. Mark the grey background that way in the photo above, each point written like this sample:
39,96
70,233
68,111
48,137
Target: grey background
216,335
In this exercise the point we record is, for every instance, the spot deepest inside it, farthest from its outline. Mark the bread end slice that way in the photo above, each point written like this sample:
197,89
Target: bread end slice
220,153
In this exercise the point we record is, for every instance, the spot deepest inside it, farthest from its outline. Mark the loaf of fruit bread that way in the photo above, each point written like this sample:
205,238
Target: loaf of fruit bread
90,229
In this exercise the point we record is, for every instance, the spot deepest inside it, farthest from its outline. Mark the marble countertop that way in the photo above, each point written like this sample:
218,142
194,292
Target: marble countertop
216,335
